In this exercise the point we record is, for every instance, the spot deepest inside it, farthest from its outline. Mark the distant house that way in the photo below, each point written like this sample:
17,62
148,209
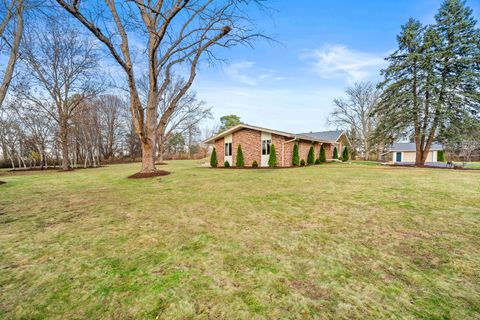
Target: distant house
405,152
256,143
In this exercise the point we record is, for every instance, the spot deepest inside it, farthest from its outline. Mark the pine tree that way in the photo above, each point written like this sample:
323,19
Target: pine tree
240,162
335,153
213,159
323,156
311,156
432,79
272,160
345,154
440,156
295,156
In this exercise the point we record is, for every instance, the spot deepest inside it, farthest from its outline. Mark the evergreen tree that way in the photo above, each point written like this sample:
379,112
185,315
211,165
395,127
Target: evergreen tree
432,79
295,156
345,154
240,162
272,160
311,156
323,156
440,156
229,121
213,158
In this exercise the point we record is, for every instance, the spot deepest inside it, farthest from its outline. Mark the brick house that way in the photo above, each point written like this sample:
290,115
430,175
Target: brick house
256,142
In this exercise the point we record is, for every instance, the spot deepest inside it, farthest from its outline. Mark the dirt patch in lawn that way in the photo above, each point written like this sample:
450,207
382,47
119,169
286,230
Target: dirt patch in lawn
142,175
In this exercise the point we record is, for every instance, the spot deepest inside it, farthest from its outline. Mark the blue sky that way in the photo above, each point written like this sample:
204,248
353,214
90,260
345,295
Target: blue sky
326,46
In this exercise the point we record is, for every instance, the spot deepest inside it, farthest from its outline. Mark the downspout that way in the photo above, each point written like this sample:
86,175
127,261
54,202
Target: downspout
283,149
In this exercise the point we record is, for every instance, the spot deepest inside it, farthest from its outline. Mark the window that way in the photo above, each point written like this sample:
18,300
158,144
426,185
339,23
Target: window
228,149
266,147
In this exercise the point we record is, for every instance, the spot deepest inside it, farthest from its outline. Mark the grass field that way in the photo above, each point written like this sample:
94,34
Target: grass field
333,241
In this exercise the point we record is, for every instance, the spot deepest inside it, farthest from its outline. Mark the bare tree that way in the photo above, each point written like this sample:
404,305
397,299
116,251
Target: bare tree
353,113
39,130
60,75
176,34
12,11
109,108
189,112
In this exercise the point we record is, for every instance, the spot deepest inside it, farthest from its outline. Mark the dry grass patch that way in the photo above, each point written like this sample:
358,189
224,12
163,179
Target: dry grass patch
332,241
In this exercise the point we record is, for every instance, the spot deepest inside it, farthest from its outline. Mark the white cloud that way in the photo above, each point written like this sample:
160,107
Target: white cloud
245,73
338,61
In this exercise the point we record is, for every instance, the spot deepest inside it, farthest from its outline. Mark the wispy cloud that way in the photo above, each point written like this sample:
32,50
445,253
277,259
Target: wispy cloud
246,73
338,61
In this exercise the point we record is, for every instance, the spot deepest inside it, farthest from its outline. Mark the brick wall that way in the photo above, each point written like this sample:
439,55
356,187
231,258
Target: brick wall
303,148
251,146
288,153
328,150
220,148
250,140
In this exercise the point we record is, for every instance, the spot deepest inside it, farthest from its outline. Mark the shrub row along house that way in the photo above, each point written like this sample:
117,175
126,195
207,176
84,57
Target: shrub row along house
257,143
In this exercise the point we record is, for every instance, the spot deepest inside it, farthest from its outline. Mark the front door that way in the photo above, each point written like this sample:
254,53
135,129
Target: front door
399,157
266,141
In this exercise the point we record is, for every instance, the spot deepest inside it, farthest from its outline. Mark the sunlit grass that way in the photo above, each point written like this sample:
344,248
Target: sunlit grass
333,241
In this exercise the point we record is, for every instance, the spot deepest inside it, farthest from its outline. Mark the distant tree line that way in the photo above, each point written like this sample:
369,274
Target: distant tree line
77,90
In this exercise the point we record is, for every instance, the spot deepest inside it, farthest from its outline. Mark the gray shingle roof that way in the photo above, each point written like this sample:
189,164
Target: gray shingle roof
324,135
410,146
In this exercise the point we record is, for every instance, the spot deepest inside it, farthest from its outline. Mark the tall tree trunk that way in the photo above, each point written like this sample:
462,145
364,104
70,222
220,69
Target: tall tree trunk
148,154
14,53
418,152
64,143
160,147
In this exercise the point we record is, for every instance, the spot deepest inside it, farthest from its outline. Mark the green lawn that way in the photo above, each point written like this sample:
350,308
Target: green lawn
334,241
472,165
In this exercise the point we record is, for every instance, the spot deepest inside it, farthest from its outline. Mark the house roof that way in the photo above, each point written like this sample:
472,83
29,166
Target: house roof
410,146
301,136
333,135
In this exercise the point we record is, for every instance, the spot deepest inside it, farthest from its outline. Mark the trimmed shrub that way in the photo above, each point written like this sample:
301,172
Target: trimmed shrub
213,159
302,163
311,155
345,154
226,164
440,156
317,161
272,160
254,164
240,162
322,156
335,153
295,156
